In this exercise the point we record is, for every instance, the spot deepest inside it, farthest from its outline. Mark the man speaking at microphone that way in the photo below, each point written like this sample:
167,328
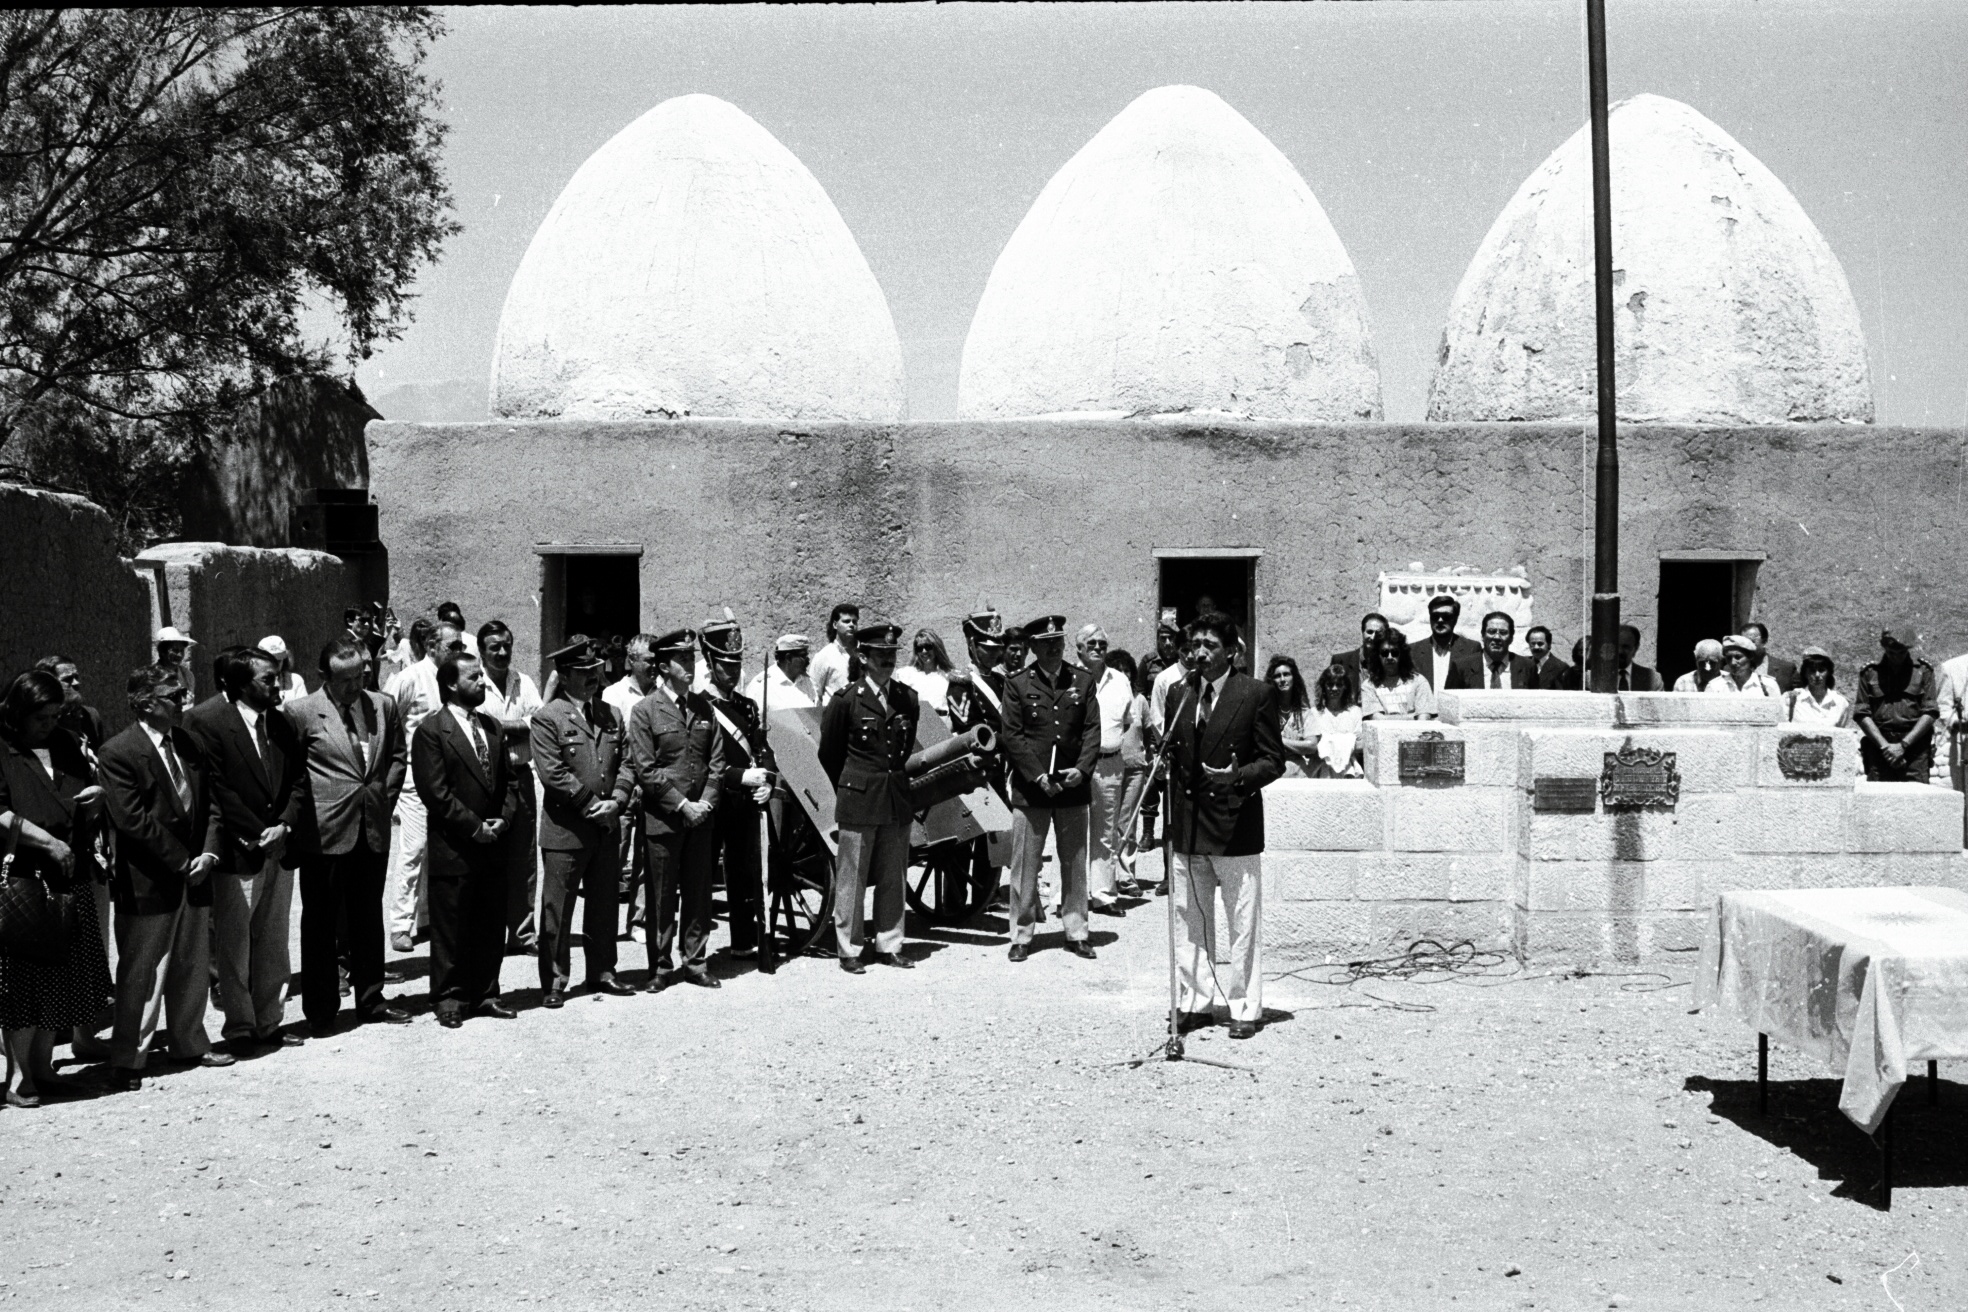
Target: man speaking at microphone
1224,747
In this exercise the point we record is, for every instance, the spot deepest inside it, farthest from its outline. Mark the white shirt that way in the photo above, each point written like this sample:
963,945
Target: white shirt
1493,677
787,694
1114,694
932,686
1158,694
1953,697
414,690
1215,693
179,782
1438,661
292,687
1834,710
514,712
1759,685
828,671
623,695
252,718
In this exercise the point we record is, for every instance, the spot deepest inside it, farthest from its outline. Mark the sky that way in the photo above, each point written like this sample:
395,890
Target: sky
934,128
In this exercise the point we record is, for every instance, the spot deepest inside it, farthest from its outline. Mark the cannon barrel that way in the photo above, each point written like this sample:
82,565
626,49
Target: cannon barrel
978,740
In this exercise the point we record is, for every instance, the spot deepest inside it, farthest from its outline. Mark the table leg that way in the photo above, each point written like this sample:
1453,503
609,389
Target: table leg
1886,1159
1933,1084
1762,1075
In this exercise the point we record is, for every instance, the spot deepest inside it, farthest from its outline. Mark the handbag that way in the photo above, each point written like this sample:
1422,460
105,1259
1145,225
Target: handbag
36,922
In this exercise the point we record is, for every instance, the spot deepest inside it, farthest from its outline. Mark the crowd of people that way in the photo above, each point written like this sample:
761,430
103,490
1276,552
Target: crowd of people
425,790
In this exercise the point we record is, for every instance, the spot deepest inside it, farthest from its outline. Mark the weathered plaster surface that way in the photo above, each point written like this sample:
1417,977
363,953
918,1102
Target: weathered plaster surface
223,595
1730,308
693,266
1177,263
923,521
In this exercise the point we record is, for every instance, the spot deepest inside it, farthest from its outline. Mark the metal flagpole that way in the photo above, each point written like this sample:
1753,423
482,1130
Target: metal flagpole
1604,655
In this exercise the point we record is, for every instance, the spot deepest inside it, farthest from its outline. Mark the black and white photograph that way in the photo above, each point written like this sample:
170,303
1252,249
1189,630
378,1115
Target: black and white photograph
1143,657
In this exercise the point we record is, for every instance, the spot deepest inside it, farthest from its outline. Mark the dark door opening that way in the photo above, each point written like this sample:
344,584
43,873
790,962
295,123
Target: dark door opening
595,591
1226,581
1699,599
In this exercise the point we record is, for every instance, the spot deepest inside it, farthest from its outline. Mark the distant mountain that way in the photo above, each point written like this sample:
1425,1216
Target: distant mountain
447,401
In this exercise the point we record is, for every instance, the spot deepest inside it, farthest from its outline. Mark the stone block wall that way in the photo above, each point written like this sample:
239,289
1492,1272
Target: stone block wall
223,595
1478,860
65,590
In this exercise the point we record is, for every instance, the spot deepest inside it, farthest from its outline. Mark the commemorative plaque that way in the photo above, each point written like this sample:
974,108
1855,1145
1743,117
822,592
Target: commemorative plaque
1639,777
1804,756
1430,759
1558,793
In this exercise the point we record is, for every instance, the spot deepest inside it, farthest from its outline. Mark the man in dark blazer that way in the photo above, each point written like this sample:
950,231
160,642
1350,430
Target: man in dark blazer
679,762
1783,671
1550,670
580,752
1358,659
1633,676
458,763
259,784
867,733
168,842
1495,666
1051,742
1225,745
351,741
1437,654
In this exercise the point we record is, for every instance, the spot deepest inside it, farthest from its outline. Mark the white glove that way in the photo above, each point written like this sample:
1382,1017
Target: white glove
754,778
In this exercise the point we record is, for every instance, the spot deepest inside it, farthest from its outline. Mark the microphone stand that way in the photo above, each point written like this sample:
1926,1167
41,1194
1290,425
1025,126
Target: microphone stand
1171,1048
768,950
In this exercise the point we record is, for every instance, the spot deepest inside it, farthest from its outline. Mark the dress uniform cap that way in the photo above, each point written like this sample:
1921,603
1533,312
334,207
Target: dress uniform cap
878,637
1901,632
791,642
722,638
578,654
677,642
1045,626
984,626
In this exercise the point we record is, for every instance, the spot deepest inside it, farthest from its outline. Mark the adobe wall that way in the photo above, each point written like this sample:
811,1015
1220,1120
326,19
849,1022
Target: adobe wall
64,589
922,521
223,595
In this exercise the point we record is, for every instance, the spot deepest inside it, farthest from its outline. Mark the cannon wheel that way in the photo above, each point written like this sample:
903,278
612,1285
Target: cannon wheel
802,885
938,886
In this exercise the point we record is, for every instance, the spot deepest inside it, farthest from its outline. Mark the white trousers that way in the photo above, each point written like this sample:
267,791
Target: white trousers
250,915
409,836
877,854
1193,883
1102,815
163,968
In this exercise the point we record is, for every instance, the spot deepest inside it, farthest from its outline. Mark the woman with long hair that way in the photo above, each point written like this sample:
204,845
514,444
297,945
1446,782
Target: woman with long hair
50,806
928,672
1393,691
1294,715
1336,726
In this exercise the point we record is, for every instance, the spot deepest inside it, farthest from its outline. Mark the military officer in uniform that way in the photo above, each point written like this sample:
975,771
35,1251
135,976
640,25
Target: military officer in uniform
678,756
1051,741
580,752
977,698
867,733
746,787
1895,707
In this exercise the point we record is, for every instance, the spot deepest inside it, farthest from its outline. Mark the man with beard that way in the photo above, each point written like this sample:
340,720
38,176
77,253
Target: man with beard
458,761
1895,707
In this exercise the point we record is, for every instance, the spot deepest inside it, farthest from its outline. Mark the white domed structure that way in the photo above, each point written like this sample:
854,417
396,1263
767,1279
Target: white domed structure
1729,307
693,266
1176,264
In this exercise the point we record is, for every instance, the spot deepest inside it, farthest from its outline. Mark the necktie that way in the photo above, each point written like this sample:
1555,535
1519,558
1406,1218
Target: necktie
1207,703
266,748
478,745
355,737
179,783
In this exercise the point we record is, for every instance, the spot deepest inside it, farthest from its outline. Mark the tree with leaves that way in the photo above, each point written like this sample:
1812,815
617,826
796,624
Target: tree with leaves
176,187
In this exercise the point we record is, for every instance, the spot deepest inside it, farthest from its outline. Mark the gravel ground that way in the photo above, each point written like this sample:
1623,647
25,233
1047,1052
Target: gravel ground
967,1135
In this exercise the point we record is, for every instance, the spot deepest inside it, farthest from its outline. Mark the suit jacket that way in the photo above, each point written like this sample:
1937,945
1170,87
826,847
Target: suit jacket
1639,678
581,754
1551,674
251,795
1350,658
1468,672
676,756
1424,656
1050,726
461,792
1783,671
1243,726
864,748
349,793
157,837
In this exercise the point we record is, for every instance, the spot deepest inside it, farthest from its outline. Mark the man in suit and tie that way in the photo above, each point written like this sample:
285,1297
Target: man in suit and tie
1225,745
1435,657
459,765
168,842
1783,671
580,752
1633,676
1360,658
1494,666
258,778
352,742
1052,743
679,762
1550,670
867,733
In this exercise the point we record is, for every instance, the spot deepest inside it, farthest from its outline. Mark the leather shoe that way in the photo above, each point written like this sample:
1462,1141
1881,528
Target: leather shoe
124,1080
853,966
895,959
497,1010
1187,1022
702,980
282,1039
1019,952
1079,947
451,1020
321,1029
609,984
386,1016
1104,908
15,1098
402,943
217,1058
1243,1029
554,1000
657,983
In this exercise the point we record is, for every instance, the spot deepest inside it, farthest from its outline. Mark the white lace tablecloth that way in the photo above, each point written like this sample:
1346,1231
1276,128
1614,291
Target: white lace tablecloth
1867,980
